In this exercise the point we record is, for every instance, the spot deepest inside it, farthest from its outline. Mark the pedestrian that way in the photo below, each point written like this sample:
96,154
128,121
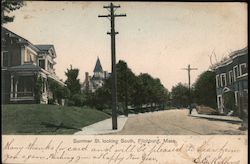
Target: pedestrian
190,109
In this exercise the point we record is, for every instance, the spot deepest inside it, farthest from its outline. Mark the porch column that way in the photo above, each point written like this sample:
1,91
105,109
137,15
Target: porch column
11,86
34,84
22,54
16,88
45,85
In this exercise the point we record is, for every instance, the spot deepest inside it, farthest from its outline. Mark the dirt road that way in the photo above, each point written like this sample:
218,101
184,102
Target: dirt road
176,122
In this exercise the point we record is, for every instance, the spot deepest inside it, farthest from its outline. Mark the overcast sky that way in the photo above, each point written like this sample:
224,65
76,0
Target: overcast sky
156,38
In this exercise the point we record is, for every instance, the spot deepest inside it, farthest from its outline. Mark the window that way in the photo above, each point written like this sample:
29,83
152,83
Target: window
235,69
218,81
25,86
5,61
42,63
29,57
230,77
49,65
223,79
243,69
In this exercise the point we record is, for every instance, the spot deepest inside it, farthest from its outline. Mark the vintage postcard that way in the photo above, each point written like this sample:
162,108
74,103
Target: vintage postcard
124,82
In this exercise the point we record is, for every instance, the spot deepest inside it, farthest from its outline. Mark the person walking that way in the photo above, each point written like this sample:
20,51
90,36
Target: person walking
190,108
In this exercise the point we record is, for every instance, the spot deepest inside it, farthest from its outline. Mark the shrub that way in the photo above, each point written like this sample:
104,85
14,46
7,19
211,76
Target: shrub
78,99
51,101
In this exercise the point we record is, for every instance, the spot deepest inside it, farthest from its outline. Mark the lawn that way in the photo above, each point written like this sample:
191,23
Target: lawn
47,119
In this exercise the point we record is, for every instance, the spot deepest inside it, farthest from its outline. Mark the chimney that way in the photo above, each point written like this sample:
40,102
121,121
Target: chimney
105,74
86,81
86,76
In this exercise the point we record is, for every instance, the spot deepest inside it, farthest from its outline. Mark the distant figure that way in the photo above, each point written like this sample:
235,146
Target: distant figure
190,109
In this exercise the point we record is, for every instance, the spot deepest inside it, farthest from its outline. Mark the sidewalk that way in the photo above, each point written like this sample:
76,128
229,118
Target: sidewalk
103,127
216,117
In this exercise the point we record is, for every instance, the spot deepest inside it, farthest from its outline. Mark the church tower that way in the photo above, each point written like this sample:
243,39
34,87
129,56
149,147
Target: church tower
98,71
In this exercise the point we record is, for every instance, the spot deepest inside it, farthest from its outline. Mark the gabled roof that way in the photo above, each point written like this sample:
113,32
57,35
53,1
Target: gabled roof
98,66
21,39
37,48
44,47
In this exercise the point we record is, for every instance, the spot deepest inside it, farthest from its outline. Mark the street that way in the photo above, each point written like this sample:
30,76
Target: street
176,122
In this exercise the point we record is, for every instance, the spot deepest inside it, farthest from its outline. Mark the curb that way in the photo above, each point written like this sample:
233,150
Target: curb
103,127
215,118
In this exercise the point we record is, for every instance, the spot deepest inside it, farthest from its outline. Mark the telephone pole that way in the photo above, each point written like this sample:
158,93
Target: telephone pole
111,8
189,83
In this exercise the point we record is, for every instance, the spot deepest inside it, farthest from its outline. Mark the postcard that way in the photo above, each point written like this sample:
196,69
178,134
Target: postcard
124,82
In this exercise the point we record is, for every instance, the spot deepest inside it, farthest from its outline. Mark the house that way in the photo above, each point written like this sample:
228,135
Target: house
90,84
23,66
232,82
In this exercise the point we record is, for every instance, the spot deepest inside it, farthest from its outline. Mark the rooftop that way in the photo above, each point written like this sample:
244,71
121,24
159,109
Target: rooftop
98,66
231,56
28,66
44,47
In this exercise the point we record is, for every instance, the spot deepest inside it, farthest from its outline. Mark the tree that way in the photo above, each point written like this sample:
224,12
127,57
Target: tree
180,95
59,92
132,90
205,89
62,92
76,98
9,6
72,82
146,88
149,91
161,94
125,83
101,99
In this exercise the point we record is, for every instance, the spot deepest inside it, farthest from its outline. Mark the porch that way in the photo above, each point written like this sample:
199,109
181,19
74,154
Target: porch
22,88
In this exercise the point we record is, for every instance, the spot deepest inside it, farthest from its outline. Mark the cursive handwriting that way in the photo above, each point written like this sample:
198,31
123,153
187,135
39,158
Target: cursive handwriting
120,149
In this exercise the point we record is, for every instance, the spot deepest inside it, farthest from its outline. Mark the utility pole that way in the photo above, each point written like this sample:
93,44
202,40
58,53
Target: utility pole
189,83
126,91
111,8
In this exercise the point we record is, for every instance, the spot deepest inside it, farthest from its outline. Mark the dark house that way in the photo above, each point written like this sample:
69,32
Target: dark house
23,64
232,82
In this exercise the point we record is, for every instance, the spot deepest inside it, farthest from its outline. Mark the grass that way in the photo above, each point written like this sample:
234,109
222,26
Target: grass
47,119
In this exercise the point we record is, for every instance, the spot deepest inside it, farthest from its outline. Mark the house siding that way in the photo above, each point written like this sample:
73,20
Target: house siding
13,50
239,83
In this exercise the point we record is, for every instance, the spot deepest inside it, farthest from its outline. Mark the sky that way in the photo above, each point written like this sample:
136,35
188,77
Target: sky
159,38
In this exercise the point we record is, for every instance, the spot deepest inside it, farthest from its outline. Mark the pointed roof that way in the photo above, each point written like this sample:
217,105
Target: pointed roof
47,48
98,66
44,47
